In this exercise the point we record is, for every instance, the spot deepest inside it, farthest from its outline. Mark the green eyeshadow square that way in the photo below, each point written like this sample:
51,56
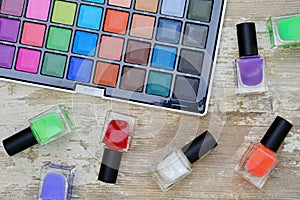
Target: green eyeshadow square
200,10
54,65
64,12
59,39
159,84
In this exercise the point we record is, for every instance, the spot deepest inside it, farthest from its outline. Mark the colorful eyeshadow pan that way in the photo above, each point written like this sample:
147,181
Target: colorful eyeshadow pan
12,7
111,47
142,26
28,60
159,84
33,34
80,69
116,21
137,52
155,52
164,57
169,31
106,74
64,12
59,38
54,65
9,29
90,17
173,7
85,43
121,3
146,5
6,56
38,9
133,79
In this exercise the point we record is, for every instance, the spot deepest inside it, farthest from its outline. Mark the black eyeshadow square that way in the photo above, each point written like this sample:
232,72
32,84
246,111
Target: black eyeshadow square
186,88
190,61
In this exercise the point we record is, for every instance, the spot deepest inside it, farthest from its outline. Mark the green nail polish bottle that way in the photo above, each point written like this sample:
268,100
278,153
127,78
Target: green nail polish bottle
44,128
284,31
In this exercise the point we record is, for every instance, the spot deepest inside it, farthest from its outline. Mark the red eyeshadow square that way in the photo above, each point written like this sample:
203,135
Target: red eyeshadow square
116,21
106,74
33,34
111,47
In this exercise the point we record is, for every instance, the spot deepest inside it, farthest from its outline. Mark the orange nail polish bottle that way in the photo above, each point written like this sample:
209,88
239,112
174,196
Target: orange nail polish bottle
259,160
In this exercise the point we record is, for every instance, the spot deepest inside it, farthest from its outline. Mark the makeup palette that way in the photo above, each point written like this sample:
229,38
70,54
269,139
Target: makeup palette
152,52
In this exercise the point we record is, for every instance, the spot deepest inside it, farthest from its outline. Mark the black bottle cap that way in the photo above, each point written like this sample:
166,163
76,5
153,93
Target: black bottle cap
19,142
199,147
110,166
276,133
247,40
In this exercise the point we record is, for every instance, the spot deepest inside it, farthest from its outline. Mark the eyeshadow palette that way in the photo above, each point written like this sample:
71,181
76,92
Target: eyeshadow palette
152,52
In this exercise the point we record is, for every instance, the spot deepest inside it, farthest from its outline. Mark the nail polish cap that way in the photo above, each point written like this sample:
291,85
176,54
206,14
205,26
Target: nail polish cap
199,147
19,142
246,34
276,133
110,166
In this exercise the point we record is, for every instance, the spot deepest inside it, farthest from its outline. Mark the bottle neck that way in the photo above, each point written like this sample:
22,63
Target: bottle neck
253,56
261,146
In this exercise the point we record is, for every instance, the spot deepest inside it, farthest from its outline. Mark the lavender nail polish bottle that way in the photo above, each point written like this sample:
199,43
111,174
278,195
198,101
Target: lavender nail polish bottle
250,67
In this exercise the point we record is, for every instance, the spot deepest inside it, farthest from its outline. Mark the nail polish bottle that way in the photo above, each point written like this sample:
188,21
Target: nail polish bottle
56,182
44,128
259,160
176,163
250,67
284,30
116,139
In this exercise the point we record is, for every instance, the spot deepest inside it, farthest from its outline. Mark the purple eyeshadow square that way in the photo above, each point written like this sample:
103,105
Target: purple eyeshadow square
6,56
12,7
9,29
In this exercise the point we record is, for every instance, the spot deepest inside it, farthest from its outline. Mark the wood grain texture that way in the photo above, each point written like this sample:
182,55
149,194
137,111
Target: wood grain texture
234,120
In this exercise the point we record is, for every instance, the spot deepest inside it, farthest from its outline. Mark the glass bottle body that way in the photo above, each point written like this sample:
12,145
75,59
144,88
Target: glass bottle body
284,30
171,168
56,182
51,124
251,74
257,164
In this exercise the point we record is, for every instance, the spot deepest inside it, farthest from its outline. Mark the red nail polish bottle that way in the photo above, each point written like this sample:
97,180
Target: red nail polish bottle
116,138
259,160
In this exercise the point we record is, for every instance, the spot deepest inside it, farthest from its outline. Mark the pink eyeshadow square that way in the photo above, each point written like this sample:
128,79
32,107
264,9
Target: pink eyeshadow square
38,9
28,60
33,34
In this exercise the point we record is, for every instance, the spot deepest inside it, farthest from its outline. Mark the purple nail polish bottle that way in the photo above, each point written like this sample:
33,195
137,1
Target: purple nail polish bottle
250,67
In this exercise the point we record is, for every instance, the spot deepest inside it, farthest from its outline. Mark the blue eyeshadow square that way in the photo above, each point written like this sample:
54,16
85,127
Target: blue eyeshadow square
85,43
169,31
90,17
96,1
80,69
173,7
164,57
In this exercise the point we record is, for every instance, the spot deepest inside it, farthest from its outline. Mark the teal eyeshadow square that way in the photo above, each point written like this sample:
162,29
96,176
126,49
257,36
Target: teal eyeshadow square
54,65
159,84
85,43
164,57
96,1
90,17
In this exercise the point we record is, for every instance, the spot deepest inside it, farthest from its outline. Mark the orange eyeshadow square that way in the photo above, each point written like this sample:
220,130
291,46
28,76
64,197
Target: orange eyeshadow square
142,26
116,21
111,47
106,74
